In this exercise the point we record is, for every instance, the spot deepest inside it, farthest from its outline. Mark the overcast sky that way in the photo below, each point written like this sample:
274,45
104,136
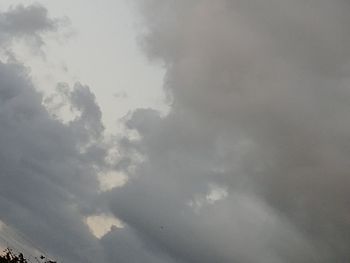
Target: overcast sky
97,44
175,131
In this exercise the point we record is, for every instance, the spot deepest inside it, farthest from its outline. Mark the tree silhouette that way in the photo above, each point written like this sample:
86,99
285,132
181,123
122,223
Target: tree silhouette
8,256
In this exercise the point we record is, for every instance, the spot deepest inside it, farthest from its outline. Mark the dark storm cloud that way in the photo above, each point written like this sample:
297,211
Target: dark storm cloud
252,162
250,165
125,245
45,179
48,177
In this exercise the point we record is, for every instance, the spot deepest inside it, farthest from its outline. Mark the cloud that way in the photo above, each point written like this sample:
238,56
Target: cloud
28,22
260,109
125,245
46,180
48,169
249,165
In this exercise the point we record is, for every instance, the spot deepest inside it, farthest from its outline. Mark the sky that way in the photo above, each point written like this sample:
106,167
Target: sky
91,34
175,131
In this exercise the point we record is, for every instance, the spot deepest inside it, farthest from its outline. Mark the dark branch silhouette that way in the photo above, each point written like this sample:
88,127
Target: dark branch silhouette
8,256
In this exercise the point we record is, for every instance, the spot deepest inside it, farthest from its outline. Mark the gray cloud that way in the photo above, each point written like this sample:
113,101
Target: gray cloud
125,245
28,22
47,172
251,164
46,180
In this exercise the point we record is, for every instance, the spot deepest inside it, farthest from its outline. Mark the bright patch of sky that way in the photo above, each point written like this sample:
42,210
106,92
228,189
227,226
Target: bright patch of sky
100,225
97,47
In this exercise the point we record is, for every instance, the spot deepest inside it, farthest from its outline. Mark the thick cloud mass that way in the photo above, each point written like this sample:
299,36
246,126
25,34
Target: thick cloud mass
252,162
47,176
44,178
250,165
